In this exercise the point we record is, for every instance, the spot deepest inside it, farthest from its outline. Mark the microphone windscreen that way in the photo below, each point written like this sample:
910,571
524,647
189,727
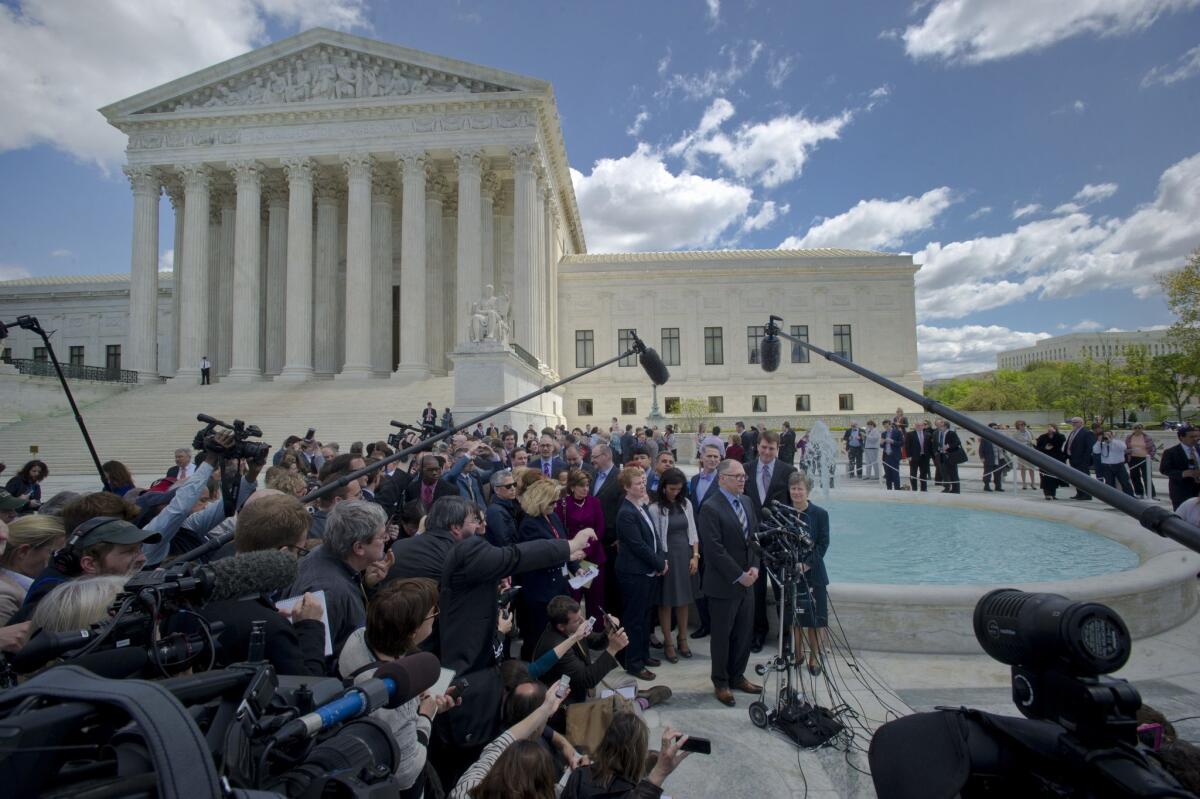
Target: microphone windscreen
768,351
252,573
413,675
656,370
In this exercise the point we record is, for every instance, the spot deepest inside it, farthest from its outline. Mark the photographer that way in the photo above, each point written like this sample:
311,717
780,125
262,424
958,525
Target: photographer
620,761
1113,470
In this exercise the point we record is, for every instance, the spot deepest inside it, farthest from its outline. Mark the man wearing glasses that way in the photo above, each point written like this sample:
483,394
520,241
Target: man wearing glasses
502,512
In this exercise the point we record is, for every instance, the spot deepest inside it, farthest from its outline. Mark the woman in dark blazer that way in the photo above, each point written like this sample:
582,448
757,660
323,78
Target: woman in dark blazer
640,561
813,603
1051,443
539,587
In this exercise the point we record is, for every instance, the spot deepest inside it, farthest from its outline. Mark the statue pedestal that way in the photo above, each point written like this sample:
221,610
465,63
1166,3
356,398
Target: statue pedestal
488,374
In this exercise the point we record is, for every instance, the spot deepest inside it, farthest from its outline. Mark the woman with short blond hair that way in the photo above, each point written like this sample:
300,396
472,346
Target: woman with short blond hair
540,586
31,541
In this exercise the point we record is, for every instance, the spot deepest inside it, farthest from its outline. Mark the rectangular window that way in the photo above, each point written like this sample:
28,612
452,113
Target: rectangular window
754,337
77,356
845,402
803,403
39,354
628,406
585,349
585,407
799,353
716,405
672,405
758,403
841,342
112,357
670,346
624,342
714,346
6,354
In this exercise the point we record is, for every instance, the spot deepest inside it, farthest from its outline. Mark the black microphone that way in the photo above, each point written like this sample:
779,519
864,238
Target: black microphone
655,369
770,347
262,572
211,544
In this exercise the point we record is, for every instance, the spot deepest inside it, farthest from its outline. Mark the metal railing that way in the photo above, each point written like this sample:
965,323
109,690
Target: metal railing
524,355
29,366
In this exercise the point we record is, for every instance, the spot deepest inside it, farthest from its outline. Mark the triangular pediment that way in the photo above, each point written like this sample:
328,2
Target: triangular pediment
321,66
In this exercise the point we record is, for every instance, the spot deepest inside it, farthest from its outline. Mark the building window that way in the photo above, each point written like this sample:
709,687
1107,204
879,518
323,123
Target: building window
754,337
585,349
670,346
845,402
77,356
714,347
628,406
39,354
6,355
803,403
716,405
758,403
624,342
112,357
672,405
841,342
799,353
585,407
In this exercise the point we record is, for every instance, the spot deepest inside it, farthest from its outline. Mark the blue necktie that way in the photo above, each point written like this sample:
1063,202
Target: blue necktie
741,514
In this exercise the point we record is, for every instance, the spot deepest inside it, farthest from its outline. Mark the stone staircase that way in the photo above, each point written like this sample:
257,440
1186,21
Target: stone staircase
143,426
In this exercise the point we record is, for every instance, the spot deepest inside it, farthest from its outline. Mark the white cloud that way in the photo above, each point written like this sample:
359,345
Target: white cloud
166,261
1186,66
1026,210
62,60
739,60
1080,106
771,152
713,10
977,31
1089,194
641,119
13,272
778,68
946,351
980,212
1087,326
876,224
1065,255
61,253
768,212
635,203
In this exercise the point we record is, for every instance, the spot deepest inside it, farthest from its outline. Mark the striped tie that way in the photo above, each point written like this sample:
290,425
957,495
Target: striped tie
741,514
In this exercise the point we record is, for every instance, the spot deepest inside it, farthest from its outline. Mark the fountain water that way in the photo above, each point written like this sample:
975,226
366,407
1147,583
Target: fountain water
821,457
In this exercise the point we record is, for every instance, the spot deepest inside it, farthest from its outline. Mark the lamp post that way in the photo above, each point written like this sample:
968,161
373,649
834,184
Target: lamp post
654,414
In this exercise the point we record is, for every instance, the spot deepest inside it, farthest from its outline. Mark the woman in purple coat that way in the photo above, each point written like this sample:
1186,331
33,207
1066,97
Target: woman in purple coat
579,510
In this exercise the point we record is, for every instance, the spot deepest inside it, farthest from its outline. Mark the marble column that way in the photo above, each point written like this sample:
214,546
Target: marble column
551,325
469,245
143,273
524,247
435,293
276,300
383,187
213,345
489,187
264,253
539,266
358,169
325,282
298,329
245,365
193,310
225,280
175,193
414,360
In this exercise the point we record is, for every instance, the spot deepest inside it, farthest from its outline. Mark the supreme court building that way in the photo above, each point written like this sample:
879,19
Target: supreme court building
341,206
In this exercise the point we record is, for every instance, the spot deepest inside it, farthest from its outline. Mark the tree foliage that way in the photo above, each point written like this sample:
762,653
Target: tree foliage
1182,290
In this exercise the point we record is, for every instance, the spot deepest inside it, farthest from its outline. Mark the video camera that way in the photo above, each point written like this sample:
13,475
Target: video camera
241,448
396,440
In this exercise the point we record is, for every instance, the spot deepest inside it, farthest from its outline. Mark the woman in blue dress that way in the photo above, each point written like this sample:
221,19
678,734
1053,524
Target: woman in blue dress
812,612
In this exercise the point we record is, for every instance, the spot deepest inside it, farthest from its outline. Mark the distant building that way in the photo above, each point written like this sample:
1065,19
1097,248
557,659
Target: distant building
1078,347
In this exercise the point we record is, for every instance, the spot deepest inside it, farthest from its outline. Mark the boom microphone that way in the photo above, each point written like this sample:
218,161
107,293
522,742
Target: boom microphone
655,369
768,352
262,572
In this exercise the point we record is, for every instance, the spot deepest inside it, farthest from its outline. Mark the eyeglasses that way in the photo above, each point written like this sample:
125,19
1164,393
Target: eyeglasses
298,551
433,614
506,485
737,477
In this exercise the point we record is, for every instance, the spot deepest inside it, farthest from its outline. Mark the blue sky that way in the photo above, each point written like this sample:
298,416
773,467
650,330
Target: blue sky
1040,159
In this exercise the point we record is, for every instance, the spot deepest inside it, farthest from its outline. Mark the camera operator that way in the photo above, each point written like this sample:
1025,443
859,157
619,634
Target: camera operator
211,518
280,522
355,538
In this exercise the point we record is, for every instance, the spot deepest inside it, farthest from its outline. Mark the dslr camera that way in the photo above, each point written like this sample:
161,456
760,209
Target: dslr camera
241,448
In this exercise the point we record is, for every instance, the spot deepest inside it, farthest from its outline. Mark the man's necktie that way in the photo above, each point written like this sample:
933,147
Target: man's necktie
599,483
764,480
741,514
546,467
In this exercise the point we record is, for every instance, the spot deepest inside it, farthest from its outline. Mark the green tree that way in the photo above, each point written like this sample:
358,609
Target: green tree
1004,391
1182,290
1176,380
694,413
1112,387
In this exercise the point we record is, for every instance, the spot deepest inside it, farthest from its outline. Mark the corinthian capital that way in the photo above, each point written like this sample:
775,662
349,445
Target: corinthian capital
410,163
490,185
328,186
524,158
383,184
358,166
470,161
143,179
299,170
195,176
247,173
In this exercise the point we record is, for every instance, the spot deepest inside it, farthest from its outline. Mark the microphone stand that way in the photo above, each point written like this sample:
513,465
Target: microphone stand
638,348
31,323
1152,517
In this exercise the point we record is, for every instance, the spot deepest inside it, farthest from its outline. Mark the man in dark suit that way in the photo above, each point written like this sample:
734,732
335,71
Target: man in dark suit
628,442
787,444
547,462
919,446
992,473
574,460
1180,464
702,487
1079,451
766,480
429,486
429,415
607,488
642,559
949,453
725,525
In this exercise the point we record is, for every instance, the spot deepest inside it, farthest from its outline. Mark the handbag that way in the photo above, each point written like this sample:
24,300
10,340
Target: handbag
957,456
588,721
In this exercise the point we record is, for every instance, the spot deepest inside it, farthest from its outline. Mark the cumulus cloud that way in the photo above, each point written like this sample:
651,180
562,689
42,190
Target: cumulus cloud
771,152
13,272
946,351
1089,194
980,212
1026,210
768,212
166,261
636,203
739,58
1087,326
1186,66
978,31
876,224
1065,255
61,253
63,60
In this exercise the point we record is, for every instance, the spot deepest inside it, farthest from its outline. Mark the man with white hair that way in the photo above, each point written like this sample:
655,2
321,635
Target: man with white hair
1080,442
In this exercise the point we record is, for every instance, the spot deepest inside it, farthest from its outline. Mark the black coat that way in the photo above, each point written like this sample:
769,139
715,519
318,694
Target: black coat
1079,449
543,584
611,495
924,449
1172,466
502,517
584,672
297,649
443,488
778,489
787,446
640,550
421,555
391,490
727,550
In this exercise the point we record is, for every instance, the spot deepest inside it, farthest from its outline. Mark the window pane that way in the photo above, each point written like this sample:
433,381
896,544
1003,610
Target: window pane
585,407
714,346
803,403
841,342
77,356
754,336
716,405
672,405
39,353
112,357
670,346
585,349
759,403
624,342
845,402
628,407
799,353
